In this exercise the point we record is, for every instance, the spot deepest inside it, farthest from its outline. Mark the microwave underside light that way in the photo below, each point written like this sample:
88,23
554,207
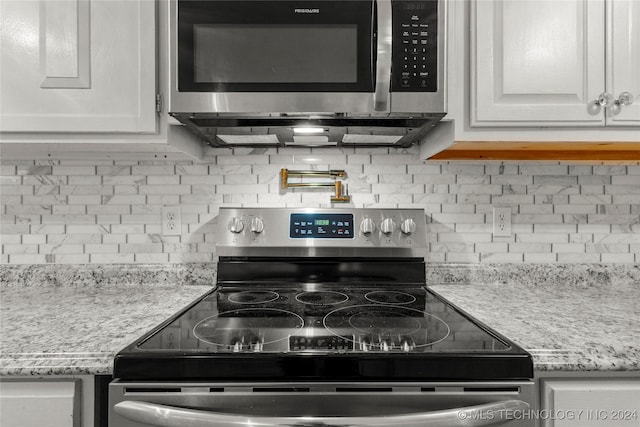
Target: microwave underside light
305,130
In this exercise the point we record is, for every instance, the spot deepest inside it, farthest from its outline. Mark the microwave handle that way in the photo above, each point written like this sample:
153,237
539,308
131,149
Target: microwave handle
488,414
383,61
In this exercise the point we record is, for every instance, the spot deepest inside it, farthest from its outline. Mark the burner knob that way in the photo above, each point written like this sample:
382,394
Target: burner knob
236,345
386,344
366,344
255,344
408,226
257,226
367,226
236,225
387,226
408,344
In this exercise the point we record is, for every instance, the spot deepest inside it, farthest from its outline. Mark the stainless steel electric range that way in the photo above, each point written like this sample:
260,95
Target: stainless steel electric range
321,317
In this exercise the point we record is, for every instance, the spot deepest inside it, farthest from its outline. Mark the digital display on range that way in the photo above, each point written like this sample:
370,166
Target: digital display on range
321,226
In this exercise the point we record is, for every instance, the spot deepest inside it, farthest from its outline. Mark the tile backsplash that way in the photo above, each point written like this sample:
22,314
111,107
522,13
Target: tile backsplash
108,211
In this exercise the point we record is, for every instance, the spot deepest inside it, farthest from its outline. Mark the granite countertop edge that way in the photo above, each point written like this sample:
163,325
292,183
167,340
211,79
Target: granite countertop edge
470,287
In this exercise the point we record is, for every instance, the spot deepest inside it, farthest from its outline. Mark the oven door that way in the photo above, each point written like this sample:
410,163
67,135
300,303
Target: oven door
280,56
344,405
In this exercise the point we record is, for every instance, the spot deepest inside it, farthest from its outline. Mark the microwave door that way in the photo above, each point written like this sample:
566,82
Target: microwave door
248,56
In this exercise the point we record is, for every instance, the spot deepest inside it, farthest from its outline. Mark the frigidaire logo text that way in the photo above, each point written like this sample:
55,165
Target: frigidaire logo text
306,10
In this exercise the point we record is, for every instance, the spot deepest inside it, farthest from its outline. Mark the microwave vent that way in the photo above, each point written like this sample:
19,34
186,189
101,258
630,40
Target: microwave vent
338,129
244,139
313,140
371,139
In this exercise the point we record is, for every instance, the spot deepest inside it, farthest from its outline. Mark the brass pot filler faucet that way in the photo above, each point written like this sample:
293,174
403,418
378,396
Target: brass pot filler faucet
333,174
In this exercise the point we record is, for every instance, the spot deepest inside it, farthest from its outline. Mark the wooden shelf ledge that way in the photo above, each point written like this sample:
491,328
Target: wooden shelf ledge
576,151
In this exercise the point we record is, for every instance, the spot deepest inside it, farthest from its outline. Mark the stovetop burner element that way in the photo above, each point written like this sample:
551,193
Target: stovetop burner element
253,297
322,297
390,297
248,328
386,328
383,323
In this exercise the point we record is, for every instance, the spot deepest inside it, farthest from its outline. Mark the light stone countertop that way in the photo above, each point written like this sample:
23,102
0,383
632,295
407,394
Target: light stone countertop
77,330
576,327
51,327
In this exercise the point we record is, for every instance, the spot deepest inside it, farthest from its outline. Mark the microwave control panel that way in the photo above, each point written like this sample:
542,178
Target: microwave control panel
415,46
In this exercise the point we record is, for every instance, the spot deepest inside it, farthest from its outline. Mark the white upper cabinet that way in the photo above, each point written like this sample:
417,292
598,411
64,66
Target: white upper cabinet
552,62
623,60
78,66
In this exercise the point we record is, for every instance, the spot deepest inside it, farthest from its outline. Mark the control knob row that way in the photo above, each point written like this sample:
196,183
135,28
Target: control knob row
367,226
236,225
388,226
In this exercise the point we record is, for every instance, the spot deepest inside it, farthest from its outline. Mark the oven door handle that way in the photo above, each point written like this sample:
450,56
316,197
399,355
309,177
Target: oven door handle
153,414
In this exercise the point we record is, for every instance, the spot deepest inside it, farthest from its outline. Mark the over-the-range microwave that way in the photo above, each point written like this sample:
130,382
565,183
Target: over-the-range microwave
255,72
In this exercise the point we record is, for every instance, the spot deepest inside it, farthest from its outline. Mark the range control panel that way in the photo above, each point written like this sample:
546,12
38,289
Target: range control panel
415,46
321,232
321,226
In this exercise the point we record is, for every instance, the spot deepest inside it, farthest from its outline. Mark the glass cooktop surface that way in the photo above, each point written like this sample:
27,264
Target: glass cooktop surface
321,319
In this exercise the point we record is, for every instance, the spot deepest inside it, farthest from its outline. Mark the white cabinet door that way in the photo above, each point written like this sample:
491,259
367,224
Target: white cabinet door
590,403
40,403
537,62
78,66
623,60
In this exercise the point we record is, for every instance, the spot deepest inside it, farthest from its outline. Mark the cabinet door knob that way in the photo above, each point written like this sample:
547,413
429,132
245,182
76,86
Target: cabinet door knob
625,99
605,99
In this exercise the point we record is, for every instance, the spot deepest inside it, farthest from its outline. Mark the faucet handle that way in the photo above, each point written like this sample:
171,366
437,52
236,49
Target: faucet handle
339,197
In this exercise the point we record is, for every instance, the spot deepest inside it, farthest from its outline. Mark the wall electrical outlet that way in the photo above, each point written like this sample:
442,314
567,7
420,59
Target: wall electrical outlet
171,221
502,222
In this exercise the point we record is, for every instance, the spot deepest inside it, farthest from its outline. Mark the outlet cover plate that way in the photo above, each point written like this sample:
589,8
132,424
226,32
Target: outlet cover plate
171,221
502,222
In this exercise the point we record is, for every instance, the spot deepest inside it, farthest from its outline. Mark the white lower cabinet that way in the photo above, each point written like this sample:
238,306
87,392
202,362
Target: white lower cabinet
47,402
590,402
40,403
